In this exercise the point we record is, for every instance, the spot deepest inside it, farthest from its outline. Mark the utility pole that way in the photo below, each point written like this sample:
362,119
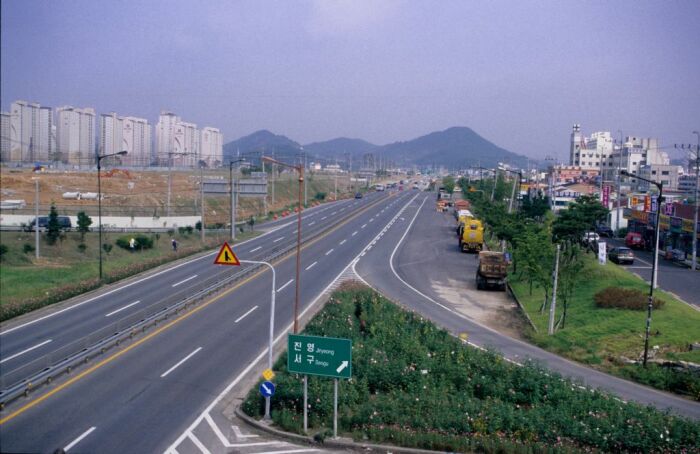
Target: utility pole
306,201
695,217
552,306
36,218
201,196
619,194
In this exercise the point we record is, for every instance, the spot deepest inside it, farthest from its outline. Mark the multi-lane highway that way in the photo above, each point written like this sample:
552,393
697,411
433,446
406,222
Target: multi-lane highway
140,397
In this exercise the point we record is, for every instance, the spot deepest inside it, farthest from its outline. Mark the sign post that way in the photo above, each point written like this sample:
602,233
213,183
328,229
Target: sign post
323,356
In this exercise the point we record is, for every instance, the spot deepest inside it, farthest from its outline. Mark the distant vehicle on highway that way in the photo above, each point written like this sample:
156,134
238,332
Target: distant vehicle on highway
358,195
492,270
379,187
63,223
621,255
604,230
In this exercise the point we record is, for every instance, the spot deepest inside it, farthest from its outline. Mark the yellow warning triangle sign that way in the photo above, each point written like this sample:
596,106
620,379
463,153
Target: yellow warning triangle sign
226,256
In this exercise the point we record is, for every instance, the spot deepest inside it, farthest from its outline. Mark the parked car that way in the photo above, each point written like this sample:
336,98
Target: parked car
604,230
634,240
621,255
590,238
358,195
63,223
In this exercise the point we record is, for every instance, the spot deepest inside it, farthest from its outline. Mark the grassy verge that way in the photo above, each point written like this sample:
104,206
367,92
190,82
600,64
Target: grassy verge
64,270
415,385
604,338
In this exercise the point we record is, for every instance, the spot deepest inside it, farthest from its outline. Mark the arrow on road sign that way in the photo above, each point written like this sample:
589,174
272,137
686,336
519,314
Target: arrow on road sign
342,366
226,256
267,388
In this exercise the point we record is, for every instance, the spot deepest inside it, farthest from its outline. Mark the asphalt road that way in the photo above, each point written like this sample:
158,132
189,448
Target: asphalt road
141,397
405,273
674,278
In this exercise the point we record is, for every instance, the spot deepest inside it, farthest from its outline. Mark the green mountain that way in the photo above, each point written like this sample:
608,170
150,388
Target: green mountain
338,148
261,142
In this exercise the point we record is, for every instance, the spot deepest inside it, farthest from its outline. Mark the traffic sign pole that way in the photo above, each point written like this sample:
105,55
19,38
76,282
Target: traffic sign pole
335,408
306,405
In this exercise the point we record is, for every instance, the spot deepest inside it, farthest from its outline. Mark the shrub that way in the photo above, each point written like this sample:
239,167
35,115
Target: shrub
3,249
82,247
27,248
624,298
142,242
320,196
107,248
198,225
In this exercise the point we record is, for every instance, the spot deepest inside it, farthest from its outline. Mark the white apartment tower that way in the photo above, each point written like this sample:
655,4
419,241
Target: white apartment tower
75,135
5,136
30,137
592,153
130,134
177,142
211,147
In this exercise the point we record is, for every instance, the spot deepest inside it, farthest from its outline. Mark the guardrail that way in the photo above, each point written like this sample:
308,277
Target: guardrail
29,377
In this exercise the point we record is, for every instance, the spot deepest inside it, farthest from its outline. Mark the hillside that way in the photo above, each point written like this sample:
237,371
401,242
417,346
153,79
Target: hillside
453,147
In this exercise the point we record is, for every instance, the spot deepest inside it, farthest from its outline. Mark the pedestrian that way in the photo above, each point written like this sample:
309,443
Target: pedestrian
132,244
174,244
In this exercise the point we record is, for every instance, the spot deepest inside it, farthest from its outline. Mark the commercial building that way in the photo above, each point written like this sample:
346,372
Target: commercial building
688,183
675,228
30,137
211,147
130,134
591,153
668,175
75,135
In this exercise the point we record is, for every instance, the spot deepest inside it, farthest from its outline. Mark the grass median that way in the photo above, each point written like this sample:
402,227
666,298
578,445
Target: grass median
415,385
609,339
67,269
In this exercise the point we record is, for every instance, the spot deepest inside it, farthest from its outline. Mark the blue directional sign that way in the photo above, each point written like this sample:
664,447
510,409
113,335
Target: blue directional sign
267,388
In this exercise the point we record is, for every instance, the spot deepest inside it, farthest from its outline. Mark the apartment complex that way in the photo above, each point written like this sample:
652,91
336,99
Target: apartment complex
30,135
5,136
130,134
75,135
211,147
181,144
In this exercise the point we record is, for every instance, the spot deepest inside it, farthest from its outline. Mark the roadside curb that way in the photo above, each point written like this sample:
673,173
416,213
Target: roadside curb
329,442
522,309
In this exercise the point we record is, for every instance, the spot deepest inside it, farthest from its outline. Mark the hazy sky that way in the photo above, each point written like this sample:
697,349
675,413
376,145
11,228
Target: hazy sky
520,73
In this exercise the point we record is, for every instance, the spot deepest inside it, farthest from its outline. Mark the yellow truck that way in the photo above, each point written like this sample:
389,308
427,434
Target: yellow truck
471,235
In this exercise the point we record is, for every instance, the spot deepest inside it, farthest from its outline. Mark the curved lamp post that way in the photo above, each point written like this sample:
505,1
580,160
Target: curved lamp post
100,157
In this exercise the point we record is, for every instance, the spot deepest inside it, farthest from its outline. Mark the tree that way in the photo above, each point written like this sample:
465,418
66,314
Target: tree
581,216
84,223
535,207
449,184
535,257
570,267
53,228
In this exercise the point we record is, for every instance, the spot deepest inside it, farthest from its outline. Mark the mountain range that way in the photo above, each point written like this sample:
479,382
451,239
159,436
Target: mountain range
452,148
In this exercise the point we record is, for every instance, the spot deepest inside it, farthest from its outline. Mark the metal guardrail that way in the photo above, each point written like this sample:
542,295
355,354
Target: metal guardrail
29,377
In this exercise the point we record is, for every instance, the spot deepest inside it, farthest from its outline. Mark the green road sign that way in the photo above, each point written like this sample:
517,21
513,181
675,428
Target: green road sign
314,355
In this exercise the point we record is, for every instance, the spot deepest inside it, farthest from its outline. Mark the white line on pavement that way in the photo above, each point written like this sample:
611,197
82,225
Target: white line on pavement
329,251
311,266
282,288
77,440
324,217
245,315
122,308
181,361
343,242
363,226
25,351
333,213
354,233
185,280
256,249
311,223
278,239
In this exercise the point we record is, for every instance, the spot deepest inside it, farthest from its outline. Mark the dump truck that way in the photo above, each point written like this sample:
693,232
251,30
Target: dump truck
492,270
471,236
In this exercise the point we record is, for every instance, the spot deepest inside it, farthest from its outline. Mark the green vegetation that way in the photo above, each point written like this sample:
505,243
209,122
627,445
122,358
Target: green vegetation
625,298
415,385
65,269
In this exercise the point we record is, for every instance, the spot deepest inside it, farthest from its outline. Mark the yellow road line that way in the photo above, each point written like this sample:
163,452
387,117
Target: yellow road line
105,361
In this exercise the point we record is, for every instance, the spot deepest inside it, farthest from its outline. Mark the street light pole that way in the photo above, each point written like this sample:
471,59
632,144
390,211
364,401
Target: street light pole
302,187
99,199
36,219
232,195
655,263
695,217
619,191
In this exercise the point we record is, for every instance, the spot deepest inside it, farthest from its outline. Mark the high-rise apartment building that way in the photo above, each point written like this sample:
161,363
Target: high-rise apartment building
177,142
130,134
211,147
591,153
30,137
5,136
75,135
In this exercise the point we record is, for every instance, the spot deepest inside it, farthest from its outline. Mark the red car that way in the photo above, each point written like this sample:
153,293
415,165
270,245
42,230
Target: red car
634,240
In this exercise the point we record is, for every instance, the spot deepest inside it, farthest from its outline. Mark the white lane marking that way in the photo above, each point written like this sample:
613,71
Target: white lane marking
77,440
371,220
224,441
89,300
282,288
324,217
181,361
185,280
333,213
311,223
122,308
237,432
330,251
343,242
354,233
278,239
198,443
311,266
283,335
637,267
363,226
295,230
25,351
245,315
256,249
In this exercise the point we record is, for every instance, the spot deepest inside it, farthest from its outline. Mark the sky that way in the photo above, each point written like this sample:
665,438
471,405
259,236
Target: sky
520,72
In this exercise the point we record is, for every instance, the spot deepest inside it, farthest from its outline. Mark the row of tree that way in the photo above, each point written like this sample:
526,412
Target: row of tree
533,232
